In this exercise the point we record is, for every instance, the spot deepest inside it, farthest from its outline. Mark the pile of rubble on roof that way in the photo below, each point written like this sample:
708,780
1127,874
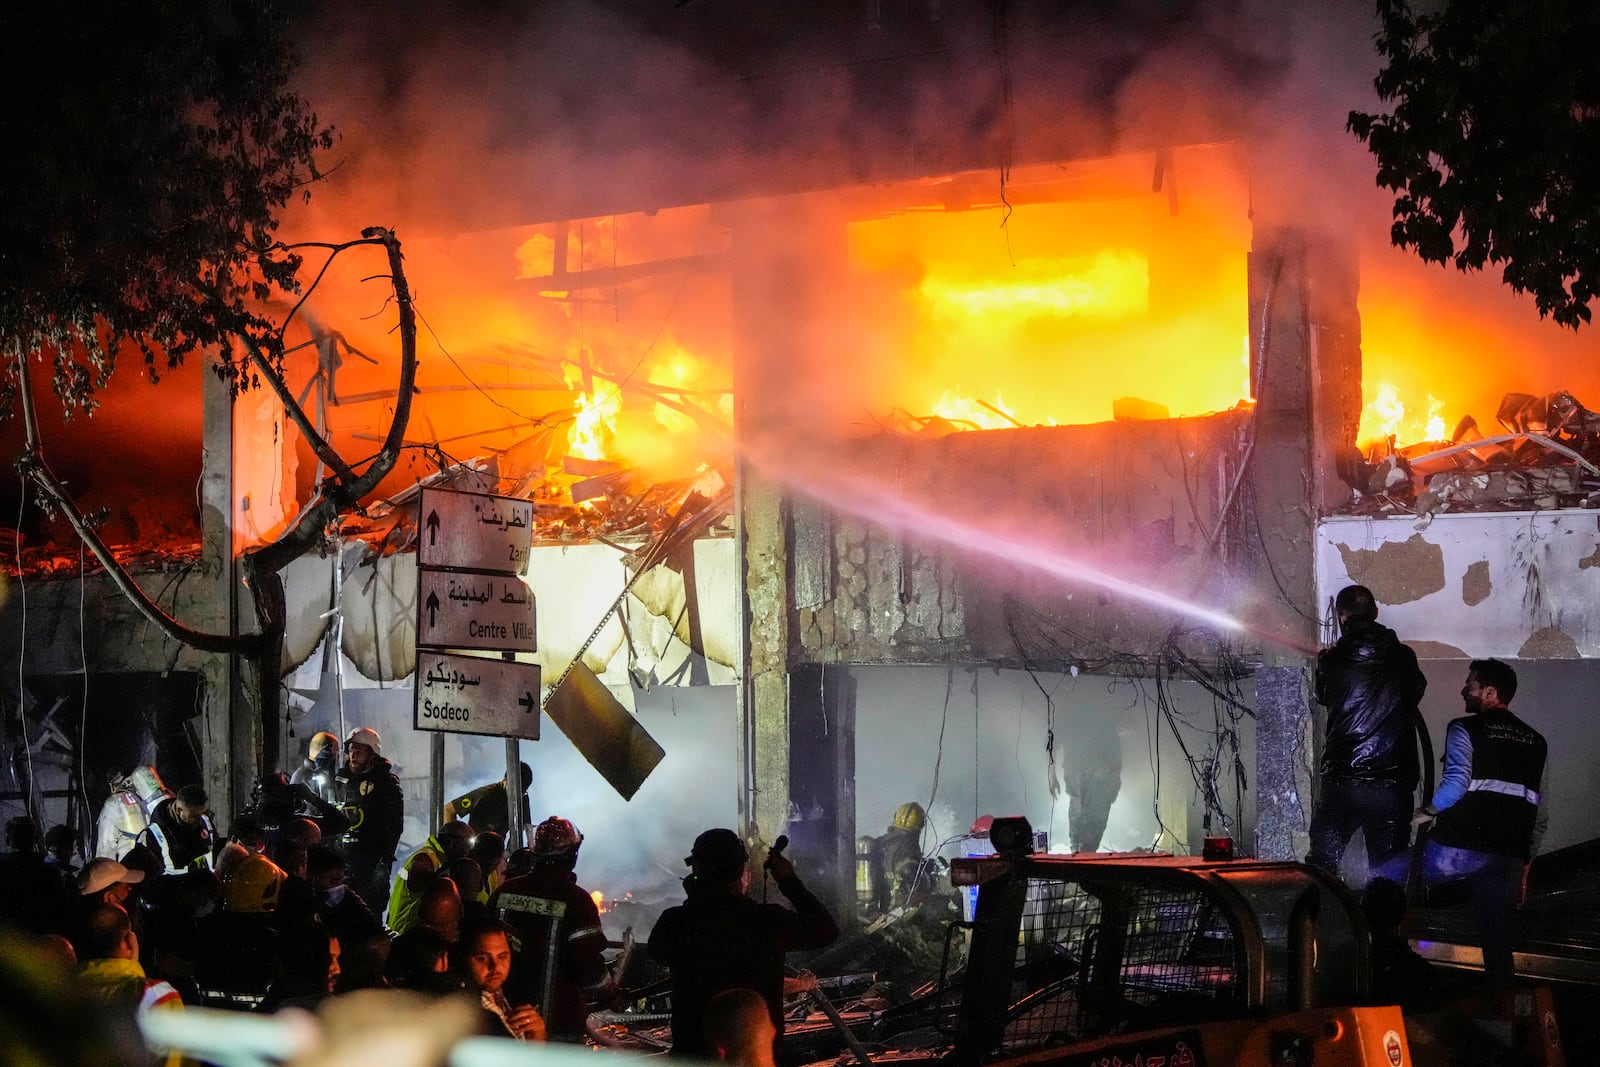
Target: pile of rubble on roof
1548,457
588,500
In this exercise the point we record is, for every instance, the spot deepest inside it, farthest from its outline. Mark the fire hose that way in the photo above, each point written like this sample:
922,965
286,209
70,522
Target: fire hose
1413,886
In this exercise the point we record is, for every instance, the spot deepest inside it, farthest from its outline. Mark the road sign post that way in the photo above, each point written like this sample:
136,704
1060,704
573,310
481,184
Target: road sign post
460,694
471,609
474,531
472,550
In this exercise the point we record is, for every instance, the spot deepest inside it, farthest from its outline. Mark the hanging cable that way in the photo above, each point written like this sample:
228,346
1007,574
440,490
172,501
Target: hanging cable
83,708
22,648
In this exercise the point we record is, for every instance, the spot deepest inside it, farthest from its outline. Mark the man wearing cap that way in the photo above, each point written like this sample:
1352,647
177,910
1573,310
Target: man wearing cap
370,797
105,881
719,938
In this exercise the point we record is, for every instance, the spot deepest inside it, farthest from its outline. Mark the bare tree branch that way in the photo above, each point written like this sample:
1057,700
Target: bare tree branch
336,496
319,445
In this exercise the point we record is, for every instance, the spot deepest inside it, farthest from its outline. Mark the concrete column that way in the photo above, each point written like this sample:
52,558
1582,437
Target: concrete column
764,690
1284,732
784,257
1305,369
221,759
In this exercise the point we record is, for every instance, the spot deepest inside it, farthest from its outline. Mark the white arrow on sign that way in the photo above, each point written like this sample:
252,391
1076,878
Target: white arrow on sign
462,609
474,531
473,695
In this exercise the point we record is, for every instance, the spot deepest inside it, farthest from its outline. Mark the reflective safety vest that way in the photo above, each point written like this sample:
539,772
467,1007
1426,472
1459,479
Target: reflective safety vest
1501,804
169,862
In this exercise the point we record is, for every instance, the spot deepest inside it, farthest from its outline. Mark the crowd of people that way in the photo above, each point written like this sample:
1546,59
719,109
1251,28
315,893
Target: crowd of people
303,901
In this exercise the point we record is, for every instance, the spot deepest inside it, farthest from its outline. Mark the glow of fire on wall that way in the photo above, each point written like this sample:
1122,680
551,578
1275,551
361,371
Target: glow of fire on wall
1117,291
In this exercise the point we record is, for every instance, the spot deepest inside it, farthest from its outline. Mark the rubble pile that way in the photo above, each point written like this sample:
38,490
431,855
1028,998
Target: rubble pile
1548,456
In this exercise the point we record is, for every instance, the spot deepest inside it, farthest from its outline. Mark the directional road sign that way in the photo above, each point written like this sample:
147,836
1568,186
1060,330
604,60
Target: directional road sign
474,695
474,531
467,609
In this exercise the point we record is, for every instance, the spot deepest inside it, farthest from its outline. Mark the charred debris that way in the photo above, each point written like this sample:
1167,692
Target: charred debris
1546,455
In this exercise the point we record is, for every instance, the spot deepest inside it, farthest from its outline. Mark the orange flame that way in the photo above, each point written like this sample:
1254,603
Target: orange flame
599,899
1387,416
1110,284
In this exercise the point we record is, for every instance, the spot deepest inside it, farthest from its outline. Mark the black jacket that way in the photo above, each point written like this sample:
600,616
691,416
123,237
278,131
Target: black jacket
1370,683
375,807
720,940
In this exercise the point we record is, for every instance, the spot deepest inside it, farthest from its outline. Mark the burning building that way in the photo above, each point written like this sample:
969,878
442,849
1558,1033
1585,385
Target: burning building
975,463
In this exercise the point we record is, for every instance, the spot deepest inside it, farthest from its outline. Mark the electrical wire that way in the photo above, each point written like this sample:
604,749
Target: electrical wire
467,377
22,649
944,718
83,707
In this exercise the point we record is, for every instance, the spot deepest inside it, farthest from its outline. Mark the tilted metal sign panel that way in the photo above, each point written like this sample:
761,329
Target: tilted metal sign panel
599,727
475,695
474,531
468,609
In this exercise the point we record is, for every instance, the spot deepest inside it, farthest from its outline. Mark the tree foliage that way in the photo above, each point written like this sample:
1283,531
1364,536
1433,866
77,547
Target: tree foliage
1493,143
149,145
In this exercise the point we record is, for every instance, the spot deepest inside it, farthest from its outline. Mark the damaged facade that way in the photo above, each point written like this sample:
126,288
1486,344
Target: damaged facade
847,563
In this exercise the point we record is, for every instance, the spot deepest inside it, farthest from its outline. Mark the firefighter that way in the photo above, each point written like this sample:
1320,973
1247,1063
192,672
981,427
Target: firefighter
558,941
489,807
370,798
896,859
321,766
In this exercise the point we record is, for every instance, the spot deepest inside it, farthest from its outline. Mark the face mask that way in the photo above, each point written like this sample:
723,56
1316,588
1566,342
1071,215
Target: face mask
334,895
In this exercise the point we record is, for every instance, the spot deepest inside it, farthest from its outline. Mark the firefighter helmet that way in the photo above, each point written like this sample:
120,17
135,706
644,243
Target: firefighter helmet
366,735
909,816
556,836
253,885
319,740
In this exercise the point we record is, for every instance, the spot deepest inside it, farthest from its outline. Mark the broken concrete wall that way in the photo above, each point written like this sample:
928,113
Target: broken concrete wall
54,632
1523,587
1074,523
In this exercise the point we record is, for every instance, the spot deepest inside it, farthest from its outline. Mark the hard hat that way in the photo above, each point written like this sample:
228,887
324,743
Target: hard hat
910,816
366,735
554,836
319,740
253,885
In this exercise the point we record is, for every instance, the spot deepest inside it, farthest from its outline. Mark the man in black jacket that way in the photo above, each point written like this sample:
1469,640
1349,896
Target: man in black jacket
370,798
1370,683
721,939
